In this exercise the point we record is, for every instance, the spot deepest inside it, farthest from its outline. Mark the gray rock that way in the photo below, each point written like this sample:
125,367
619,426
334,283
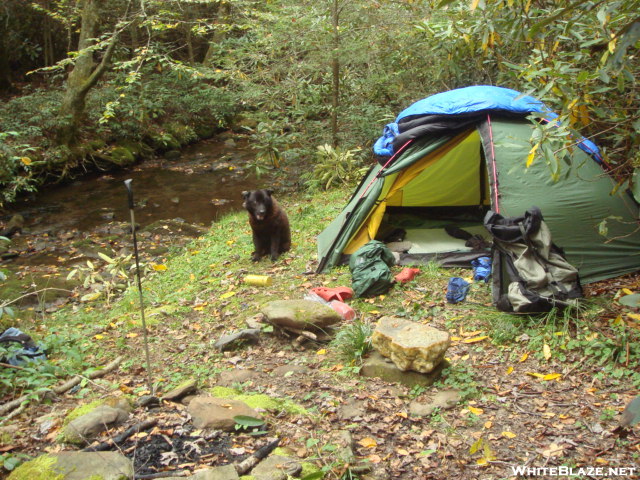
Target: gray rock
231,377
284,370
77,466
444,399
300,314
380,367
218,413
276,467
351,409
226,472
181,390
85,428
227,342
410,345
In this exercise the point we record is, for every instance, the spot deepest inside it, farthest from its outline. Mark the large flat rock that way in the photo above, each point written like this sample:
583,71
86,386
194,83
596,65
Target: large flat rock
300,314
410,345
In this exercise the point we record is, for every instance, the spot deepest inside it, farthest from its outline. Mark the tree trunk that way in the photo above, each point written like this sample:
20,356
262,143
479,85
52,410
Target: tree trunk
224,18
335,72
84,76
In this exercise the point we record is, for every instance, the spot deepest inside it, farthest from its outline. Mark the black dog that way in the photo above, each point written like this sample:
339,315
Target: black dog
269,223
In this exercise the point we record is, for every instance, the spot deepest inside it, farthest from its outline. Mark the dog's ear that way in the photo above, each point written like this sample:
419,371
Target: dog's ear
269,192
245,194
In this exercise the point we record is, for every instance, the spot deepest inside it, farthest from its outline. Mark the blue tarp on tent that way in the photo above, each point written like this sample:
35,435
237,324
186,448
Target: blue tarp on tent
470,100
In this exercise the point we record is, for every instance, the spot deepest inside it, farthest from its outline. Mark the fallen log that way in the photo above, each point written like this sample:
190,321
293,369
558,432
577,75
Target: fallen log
39,394
252,460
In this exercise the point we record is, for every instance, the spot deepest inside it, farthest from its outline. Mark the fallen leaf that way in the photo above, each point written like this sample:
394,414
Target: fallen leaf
322,351
551,376
158,267
524,357
475,339
508,434
509,370
368,442
475,411
546,351
402,452
227,295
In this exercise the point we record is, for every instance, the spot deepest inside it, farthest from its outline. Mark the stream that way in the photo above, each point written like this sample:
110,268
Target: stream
175,200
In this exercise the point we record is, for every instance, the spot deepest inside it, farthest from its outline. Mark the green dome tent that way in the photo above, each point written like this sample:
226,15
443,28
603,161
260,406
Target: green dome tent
451,157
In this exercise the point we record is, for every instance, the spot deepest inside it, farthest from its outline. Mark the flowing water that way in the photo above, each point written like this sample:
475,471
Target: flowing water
203,184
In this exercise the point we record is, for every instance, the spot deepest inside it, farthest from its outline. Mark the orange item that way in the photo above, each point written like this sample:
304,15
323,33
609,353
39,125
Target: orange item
336,293
343,309
406,275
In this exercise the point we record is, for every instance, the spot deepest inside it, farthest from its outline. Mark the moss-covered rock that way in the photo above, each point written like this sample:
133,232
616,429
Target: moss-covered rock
121,156
40,468
260,401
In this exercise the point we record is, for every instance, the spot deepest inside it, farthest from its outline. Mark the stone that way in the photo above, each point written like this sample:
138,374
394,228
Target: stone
410,345
236,339
226,472
290,370
300,314
85,428
229,378
377,366
444,399
181,390
276,467
218,413
77,466
351,409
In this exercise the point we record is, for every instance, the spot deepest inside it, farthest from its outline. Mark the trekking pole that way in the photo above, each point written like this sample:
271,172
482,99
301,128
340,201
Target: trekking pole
127,183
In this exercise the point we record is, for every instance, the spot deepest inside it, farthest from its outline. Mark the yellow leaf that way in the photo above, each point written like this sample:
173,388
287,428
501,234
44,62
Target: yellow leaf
475,339
474,4
374,312
199,308
546,351
509,370
402,414
158,267
26,160
192,277
321,352
227,295
230,242
626,291
532,155
98,337
508,434
482,461
368,442
524,357
634,316
402,452
537,375
455,339
551,376
132,335
475,411
488,424
612,45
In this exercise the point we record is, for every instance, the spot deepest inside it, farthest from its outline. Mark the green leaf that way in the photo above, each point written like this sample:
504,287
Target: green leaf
247,421
631,414
632,300
314,476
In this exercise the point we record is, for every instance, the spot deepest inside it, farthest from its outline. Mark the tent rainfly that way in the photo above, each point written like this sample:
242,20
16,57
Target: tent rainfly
451,157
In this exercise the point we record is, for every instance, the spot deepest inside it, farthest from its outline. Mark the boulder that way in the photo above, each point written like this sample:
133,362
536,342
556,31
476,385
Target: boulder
76,466
300,314
218,413
377,366
85,428
277,467
410,345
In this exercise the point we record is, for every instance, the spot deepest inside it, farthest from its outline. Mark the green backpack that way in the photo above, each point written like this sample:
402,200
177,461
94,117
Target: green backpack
370,271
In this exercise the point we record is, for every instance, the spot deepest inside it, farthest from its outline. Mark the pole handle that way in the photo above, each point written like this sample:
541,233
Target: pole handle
127,183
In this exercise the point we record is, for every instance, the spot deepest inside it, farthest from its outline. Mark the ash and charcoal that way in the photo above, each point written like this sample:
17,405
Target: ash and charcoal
160,452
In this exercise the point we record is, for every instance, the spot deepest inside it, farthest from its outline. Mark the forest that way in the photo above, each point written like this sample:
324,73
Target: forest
291,95
94,85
